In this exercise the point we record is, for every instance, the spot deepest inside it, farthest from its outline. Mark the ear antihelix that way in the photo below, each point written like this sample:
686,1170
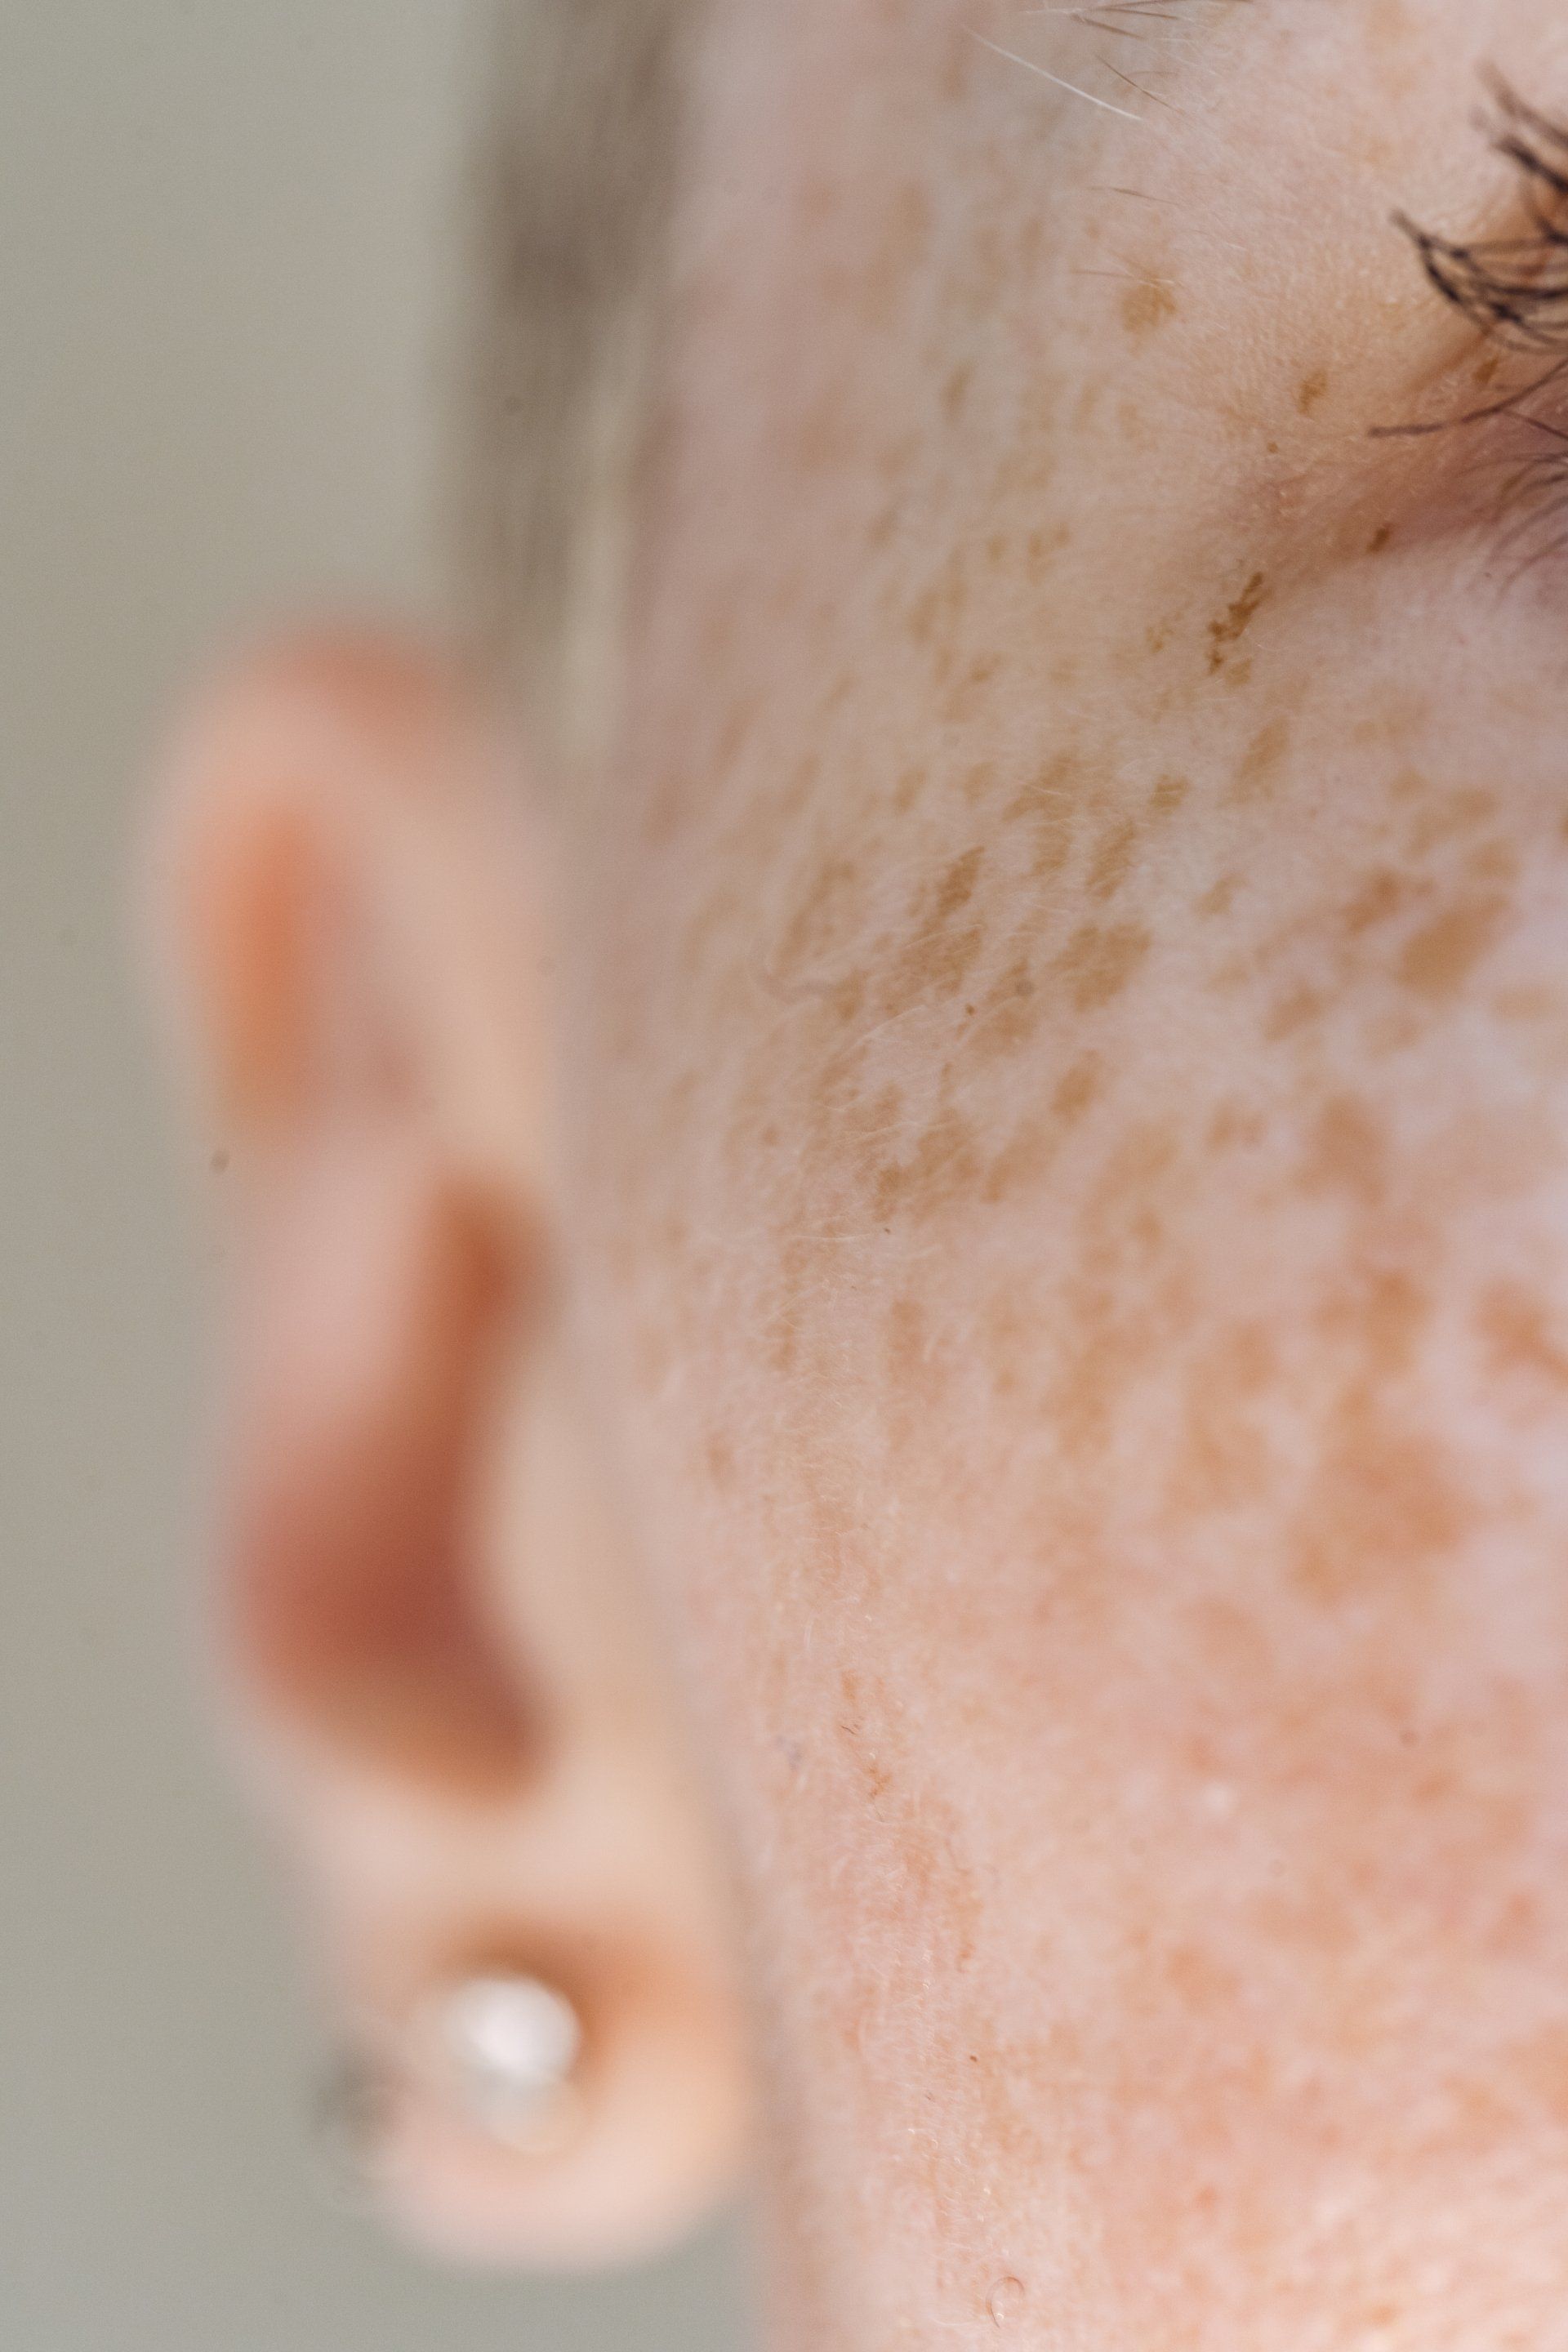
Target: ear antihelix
358,1605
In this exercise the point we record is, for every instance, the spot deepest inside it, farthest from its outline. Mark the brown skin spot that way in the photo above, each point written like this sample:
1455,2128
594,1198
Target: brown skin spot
1023,1161
1218,899
934,961
944,1167
1168,795
1380,897
1233,1126
1113,861
1311,392
1347,1152
1223,1457
1005,1015
1293,1011
1518,1337
1080,1088
1049,806
1441,957
1260,763
1147,306
1442,818
720,1462
1236,620
1383,1509
822,915
1098,964
1380,1312
1380,539
1493,861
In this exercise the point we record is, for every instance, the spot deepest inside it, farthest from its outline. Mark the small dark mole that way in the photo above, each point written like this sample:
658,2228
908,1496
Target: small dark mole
1311,391
1236,620
1380,539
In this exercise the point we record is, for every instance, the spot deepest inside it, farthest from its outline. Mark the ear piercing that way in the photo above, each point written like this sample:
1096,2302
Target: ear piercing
498,2051
507,2048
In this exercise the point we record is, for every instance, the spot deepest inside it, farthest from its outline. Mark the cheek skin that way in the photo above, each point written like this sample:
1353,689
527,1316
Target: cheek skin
1126,1245
1077,1167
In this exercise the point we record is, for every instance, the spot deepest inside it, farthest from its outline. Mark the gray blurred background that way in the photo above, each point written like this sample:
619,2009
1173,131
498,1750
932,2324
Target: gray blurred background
226,265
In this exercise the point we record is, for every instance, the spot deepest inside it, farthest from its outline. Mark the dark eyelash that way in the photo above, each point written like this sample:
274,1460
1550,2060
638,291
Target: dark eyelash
1515,289
1514,292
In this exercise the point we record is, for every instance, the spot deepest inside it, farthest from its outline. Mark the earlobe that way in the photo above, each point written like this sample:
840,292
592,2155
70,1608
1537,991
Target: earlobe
425,1628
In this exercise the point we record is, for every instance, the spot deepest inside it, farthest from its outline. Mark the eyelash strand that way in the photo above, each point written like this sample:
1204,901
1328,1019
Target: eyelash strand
1515,289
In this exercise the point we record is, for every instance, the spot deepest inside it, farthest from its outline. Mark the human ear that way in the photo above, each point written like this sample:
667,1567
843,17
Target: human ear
429,1650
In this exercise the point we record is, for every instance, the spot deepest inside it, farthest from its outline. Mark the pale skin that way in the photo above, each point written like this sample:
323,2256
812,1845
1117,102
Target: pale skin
1038,1073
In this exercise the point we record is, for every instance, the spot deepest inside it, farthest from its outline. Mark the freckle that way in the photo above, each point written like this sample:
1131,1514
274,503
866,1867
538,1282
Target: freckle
1394,719
1220,897
1233,1126
1440,958
1514,1325
1023,1161
1311,391
1078,1090
1168,795
1380,539
1098,963
1158,637
847,998
955,391
1382,896
957,886
1383,1317
1494,861
1527,1004
720,1458
1007,1016
1260,762
1147,306
1051,806
1347,1151
1383,1508
1113,861
1453,814
1236,620
1239,673
1292,1013
908,1342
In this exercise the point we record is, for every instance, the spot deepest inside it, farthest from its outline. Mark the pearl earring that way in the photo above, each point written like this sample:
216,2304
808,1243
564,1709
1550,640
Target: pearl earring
509,2047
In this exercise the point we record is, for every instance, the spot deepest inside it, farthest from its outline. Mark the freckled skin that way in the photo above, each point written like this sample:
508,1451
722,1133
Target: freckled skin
1072,1082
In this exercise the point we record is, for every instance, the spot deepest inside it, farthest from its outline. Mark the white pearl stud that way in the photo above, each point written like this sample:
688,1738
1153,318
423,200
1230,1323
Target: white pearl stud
510,2047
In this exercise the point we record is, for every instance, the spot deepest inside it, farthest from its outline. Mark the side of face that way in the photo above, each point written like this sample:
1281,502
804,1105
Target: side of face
1010,1159
1069,1111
